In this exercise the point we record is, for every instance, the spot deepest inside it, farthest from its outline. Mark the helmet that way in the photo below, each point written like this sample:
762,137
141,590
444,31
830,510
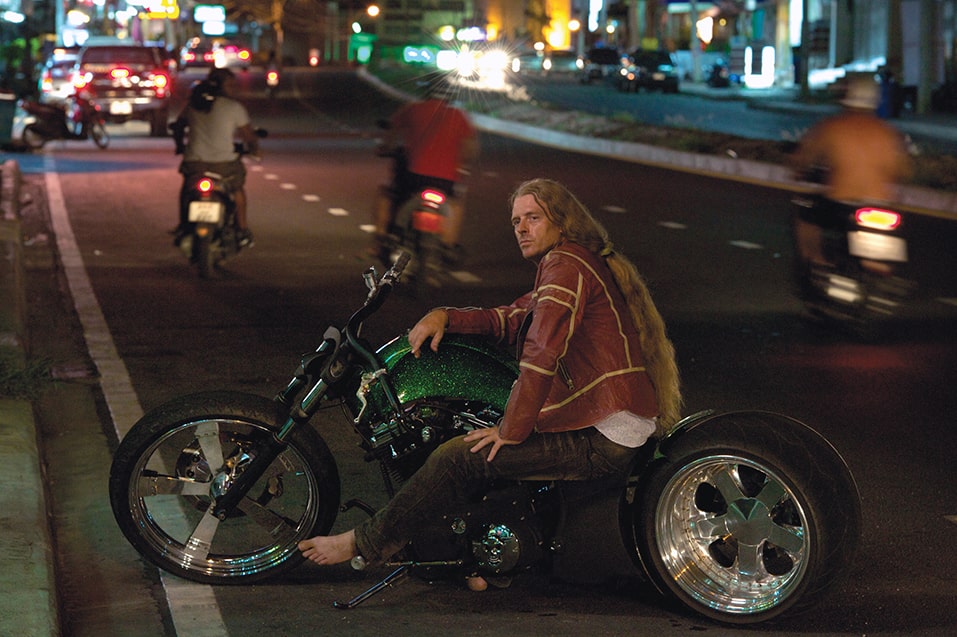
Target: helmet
218,76
438,86
202,96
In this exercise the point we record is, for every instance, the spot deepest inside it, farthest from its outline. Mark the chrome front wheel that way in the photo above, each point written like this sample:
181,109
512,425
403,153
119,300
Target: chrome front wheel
174,463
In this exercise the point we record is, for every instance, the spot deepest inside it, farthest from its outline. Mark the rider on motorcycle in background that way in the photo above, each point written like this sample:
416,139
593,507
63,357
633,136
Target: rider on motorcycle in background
862,158
436,141
213,119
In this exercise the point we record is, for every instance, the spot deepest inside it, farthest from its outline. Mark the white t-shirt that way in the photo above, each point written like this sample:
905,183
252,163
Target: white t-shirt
211,134
627,429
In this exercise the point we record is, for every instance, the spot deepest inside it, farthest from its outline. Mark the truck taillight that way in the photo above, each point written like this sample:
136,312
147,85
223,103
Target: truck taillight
877,218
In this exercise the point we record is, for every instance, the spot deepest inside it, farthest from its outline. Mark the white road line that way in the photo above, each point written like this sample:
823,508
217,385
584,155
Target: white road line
310,198
747,245
192,606
672,225
614,209
287,186
338,212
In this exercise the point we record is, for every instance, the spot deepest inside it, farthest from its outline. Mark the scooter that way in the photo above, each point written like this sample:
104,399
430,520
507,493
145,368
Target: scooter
741,516
418,222
210,235
78,119
860,283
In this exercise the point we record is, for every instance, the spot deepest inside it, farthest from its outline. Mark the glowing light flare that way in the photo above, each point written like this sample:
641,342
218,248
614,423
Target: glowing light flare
705,29
434,197
877,218
119,73
205,186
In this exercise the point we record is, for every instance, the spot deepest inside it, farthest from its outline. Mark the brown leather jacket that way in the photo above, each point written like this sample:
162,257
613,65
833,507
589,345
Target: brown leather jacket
580,358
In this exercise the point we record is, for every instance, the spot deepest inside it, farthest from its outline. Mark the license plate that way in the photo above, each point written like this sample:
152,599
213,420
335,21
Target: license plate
870,245
427,222
121,108
205,211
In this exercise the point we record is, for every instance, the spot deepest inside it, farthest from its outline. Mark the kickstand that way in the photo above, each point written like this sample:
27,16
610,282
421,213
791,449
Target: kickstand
393,578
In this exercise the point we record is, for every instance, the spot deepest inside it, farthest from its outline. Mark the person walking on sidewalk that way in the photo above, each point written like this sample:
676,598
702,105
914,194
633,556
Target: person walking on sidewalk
597,377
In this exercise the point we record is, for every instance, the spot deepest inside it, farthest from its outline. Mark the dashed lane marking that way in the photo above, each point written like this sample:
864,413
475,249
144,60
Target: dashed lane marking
747,245
287,186
464,277
672,225
338,212
310,198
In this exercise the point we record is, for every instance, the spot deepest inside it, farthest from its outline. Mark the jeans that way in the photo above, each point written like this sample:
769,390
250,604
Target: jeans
452,473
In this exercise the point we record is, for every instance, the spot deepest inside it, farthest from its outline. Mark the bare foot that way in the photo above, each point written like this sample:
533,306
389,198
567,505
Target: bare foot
330,549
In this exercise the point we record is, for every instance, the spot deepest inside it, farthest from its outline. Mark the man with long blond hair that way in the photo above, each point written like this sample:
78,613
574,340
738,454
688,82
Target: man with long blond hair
597,377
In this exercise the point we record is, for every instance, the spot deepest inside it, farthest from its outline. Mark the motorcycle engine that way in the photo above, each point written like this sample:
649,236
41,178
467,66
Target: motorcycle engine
499,533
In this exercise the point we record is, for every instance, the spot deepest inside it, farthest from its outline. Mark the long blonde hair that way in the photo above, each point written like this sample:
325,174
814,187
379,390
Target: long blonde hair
579,226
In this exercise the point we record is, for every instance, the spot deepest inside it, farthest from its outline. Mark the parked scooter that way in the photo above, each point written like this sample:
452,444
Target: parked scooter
859,280
78,118
740,516
210,235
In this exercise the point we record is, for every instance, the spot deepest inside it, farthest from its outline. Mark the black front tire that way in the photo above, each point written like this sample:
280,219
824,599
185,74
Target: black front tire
749,515
173,461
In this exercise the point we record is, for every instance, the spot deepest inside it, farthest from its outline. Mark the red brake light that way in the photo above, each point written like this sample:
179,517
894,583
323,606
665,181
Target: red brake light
877,218
119,73
433,197
160,81
205,186
243,54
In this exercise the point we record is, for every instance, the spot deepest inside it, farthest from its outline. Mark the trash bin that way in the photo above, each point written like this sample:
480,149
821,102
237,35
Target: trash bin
8,111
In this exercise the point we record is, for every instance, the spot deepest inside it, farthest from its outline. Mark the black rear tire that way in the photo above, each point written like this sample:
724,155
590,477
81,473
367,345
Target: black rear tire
173,461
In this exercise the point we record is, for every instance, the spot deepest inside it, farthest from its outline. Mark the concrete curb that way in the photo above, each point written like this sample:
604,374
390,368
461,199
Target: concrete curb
29,604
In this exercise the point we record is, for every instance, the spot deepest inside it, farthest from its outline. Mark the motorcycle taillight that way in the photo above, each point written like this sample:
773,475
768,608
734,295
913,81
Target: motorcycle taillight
877,218
205,186
433,197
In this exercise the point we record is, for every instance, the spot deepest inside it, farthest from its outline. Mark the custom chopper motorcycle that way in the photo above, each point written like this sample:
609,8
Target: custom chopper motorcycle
741,516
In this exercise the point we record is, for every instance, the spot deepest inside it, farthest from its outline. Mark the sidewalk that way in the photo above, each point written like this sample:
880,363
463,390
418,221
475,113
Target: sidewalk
28,597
